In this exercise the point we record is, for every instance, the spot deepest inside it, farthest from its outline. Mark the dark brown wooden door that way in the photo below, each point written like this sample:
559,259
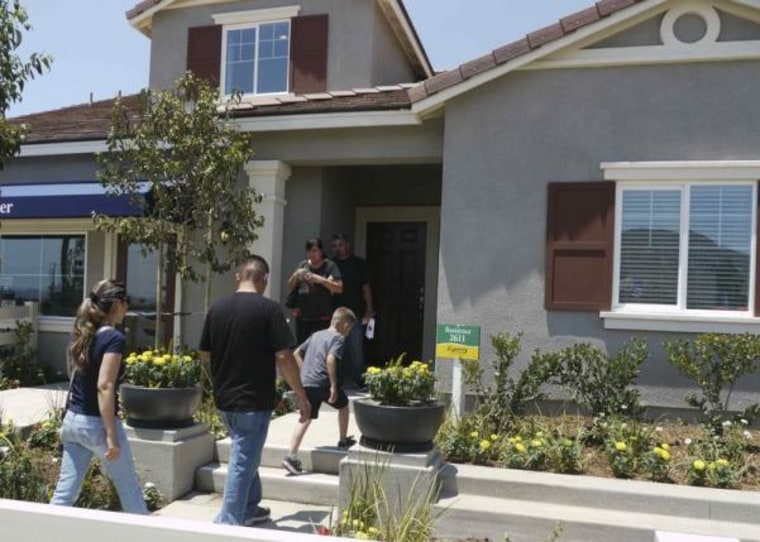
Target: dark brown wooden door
396,259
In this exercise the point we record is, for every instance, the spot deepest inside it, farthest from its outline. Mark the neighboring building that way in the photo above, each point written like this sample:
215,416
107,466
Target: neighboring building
593,181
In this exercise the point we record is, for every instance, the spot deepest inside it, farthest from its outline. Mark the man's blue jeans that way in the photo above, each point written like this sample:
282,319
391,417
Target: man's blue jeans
82,437
242,490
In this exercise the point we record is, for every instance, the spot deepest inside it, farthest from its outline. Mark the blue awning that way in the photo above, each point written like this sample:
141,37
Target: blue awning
63,200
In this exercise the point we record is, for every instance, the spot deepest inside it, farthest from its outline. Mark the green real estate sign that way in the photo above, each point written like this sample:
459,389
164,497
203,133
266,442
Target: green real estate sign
461,342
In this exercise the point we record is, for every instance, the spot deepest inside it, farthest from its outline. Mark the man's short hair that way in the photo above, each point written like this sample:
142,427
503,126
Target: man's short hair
341,237
344,315
253,269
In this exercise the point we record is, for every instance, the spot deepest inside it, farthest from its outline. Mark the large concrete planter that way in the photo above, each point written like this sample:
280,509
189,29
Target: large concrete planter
160,408
403,429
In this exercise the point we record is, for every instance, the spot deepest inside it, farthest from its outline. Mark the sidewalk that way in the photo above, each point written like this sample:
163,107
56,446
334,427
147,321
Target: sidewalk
27,406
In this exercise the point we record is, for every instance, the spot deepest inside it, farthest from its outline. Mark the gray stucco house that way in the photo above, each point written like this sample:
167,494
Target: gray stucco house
593,181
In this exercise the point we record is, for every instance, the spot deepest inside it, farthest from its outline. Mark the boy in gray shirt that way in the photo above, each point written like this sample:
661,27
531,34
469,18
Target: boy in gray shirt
318,358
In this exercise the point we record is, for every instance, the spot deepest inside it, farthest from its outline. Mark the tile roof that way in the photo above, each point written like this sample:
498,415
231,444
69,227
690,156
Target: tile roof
523,46
91,121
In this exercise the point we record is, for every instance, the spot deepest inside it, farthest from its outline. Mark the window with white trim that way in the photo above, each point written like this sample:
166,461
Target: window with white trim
48,269
685,247
256,58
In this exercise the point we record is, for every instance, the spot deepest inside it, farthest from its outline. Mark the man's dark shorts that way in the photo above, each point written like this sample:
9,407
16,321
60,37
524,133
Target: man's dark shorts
317,396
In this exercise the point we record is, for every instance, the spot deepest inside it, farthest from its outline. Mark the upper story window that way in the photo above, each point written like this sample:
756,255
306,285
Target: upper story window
685,247
256,58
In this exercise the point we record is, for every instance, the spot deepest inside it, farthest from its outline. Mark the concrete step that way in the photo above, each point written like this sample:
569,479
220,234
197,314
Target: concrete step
277,484
528,521
324,459
605,493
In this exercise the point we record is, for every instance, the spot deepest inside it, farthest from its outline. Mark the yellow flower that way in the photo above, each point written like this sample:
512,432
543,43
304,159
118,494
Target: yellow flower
520,447
374,371
536,443
373,532
494,437
722,462
147,354
159,361
485,445
665,455
539,434
621,446
665,446
187,359
474,434
698,465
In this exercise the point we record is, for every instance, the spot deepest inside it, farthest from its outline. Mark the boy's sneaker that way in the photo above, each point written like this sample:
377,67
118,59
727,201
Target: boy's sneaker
346,443
292,465
262,515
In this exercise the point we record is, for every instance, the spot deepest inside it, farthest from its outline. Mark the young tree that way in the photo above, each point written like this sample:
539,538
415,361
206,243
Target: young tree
182,148
14,73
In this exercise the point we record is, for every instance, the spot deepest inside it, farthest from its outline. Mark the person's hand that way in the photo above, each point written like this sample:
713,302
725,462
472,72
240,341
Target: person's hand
304,408
112,449
309,277
333,395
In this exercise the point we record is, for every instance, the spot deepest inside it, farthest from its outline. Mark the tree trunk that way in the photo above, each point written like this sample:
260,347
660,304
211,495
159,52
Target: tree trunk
159,297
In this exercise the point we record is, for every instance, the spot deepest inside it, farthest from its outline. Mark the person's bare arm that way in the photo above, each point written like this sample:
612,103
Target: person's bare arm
297,275
299,358
370,309
109,370
288,367
334,285
332,372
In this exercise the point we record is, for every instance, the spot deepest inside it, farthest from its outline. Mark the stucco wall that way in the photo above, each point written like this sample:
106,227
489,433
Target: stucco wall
352,42
506,141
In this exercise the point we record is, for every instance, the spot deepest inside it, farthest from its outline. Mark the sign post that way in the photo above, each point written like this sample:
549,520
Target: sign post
457,343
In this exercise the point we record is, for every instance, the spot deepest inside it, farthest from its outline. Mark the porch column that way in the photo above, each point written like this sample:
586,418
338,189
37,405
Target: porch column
268,178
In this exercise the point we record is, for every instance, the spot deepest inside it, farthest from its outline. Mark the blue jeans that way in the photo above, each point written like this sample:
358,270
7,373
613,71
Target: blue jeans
353,356
82,437
242,490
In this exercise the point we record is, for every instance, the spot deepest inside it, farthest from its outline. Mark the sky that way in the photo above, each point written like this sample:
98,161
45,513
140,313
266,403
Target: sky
97,52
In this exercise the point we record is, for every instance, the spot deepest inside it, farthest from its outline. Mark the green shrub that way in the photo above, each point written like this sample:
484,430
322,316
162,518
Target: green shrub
18,361
508,397
20,478
715,362
602,383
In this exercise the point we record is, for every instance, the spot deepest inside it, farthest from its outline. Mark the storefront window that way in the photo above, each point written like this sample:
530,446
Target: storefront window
48,269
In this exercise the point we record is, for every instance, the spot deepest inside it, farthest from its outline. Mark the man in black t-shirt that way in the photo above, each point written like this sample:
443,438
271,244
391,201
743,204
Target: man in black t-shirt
246,339
357,296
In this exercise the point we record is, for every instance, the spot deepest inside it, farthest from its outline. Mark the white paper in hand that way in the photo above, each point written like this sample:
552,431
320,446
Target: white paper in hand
370,331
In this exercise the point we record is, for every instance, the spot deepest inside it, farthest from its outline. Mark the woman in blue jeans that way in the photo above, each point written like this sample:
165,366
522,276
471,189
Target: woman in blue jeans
91,425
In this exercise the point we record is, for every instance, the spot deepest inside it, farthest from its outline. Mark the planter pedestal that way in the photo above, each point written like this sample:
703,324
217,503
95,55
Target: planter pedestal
170,457
406,477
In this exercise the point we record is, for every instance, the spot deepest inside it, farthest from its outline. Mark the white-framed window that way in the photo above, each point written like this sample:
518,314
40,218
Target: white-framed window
46,268
256,50
685,246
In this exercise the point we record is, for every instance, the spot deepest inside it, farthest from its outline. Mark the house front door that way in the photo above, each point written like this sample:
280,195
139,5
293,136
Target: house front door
395,254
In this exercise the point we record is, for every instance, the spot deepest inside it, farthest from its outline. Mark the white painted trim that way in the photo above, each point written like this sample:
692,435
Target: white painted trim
35,226
431,216
256,16
701,9
693,170
650,54
628,15
322,121
678,323
56,324
409,32
54,149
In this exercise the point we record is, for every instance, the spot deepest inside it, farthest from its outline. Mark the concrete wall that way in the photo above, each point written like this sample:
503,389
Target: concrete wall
355,39
30,522
506,141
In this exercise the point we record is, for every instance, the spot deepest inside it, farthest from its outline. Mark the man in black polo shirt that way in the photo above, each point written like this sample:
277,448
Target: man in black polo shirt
357,296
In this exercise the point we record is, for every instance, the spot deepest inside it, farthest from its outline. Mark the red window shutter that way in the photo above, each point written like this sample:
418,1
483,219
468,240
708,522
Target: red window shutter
308,54
579,244
204,52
